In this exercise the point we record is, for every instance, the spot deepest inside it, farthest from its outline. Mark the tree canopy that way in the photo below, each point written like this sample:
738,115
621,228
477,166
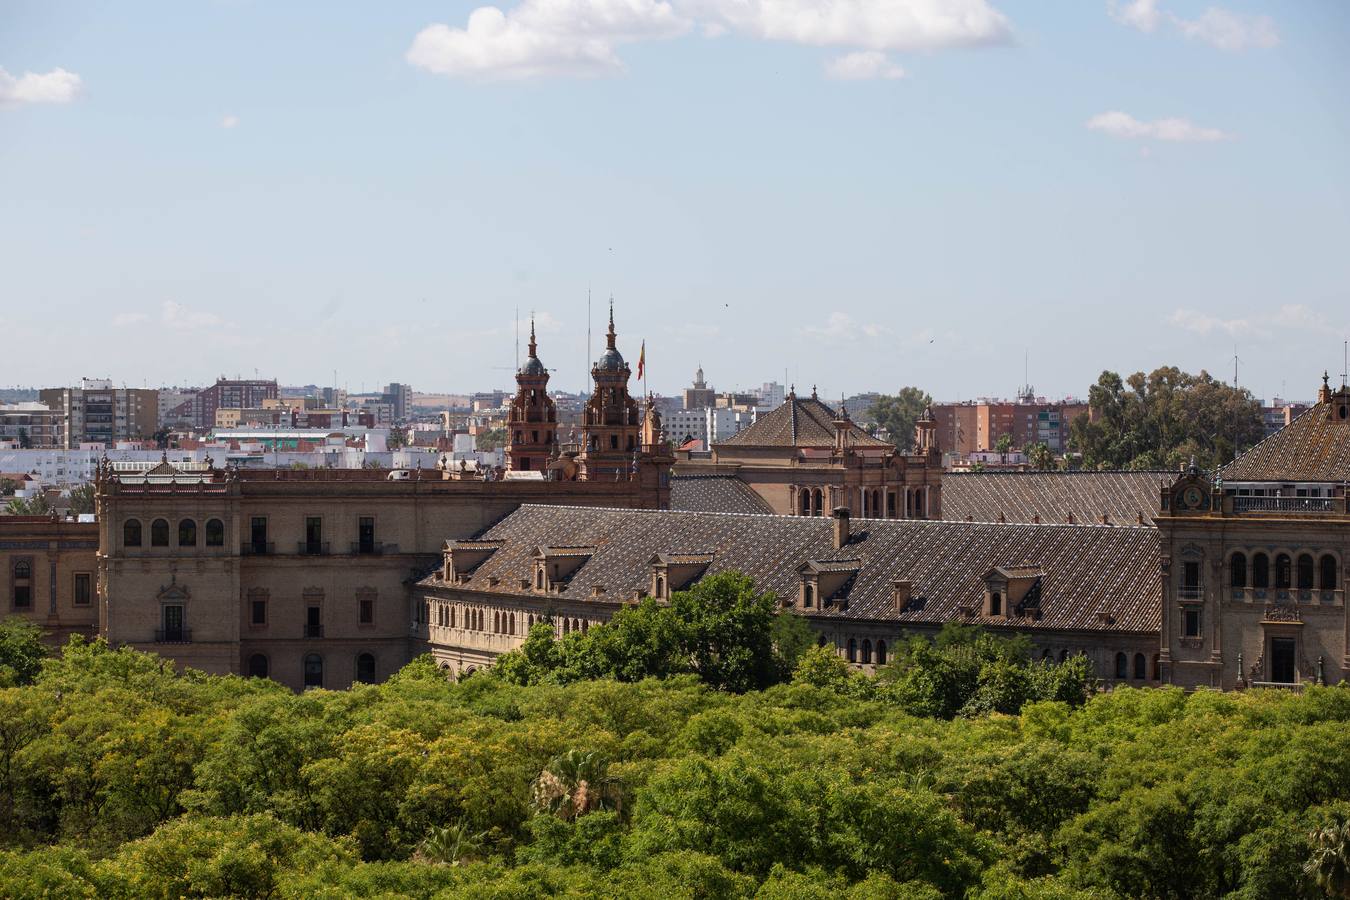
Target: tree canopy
1164,419
898,413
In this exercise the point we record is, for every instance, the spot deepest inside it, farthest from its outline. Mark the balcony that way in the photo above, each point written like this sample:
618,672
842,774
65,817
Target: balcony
367,548
313,631
258,548
312,548
1284,504
173,636
1191,592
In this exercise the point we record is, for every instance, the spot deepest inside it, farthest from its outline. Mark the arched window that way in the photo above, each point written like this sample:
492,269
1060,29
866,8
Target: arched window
1305,572
159,533
1283,572
187,533
881,653
1260,571
496,622
131,533
365,668
1237,570
1064,655
539,579
867,652
513,623
820,640
530,620
806,503
995,604
852,650
808,596
660,586
313,670
22,570
1122,666
215,533
257,666
567,626
1328,567
818,502
1047,656
1140,667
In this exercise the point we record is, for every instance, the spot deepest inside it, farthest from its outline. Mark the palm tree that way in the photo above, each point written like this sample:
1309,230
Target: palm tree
1329,864
451,845
576,783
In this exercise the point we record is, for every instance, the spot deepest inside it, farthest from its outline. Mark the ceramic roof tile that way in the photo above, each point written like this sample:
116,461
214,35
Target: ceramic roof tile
798,423
1123,497
1314,447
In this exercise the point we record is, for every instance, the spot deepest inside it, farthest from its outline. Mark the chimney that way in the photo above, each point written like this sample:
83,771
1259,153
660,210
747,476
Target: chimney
840,526
900,590
597,590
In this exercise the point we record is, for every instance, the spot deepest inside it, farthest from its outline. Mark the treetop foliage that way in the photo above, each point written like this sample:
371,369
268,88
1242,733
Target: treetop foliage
898,413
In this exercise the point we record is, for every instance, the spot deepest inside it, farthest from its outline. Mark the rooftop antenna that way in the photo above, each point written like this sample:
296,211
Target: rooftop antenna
517,337
1345,361
586,389
1235,367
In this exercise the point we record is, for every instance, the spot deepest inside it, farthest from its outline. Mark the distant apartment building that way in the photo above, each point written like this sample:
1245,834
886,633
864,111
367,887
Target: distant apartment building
98,413
30,424
399,398
171,400
1281,412
710,424
975,426
771,395
699,395
199,410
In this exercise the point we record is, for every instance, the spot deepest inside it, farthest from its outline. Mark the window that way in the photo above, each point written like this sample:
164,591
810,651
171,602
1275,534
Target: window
187,533
313,622
995,604
881,653
852,650
1305,572
257,614
366,610
257,666
1283,572
365,534
313,670
159,533
1328,573
365,668
1237,570
84,588
808,596
806,503
1140,667
1190,622
23,585
1283,652
173,632
660,586
215,534
1190,579
1260,571
313,535
257,535
131,533
1122,667
867,652
614,442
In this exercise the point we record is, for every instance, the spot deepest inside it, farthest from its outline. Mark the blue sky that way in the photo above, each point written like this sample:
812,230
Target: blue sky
860,193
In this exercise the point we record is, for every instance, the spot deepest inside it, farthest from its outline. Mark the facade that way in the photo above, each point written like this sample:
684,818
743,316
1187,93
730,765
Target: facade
805,459
30,425
98,413
861,588
49,569
199,410
1254,560
974,426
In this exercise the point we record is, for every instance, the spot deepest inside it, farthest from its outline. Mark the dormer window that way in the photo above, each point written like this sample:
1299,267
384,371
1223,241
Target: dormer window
808,595
660,592
995,604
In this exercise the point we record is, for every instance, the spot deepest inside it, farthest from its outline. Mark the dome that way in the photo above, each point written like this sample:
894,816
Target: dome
533,367
610,361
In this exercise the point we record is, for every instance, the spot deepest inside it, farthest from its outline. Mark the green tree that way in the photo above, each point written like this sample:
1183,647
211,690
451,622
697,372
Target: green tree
25,440
1040,457
21,651
451,845
1003,445
36,505
726,630
898,413
576,783
82,500
1329,864
490,439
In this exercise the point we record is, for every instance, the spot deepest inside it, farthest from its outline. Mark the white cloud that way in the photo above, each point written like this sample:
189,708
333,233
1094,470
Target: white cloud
1124,125
1289,317
229,121
581,37
870,24
56,86
863,65
1229,30
121,320
543,37
181,318
1141,14
842,327
1216,26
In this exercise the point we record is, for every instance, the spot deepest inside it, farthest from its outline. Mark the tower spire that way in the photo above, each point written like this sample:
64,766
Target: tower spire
533,348
611,336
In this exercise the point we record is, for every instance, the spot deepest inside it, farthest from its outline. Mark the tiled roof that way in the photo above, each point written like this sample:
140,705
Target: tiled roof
1313,447
798,423
1123,497
1095,577
715,493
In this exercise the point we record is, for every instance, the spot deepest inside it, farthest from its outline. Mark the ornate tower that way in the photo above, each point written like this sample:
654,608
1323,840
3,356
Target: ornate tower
611,423
532,422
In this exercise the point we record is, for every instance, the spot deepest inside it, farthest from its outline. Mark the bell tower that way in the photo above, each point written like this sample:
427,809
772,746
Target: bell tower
532,421
611,422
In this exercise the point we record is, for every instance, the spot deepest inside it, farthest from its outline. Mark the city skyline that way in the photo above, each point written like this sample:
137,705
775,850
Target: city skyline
1117,186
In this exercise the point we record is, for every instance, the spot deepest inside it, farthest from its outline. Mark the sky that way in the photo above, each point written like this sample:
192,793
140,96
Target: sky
854,194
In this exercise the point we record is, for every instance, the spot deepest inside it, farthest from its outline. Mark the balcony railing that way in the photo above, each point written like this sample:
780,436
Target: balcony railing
173,636
367,548
1283,504
312,548
1191,592
258,548
313,631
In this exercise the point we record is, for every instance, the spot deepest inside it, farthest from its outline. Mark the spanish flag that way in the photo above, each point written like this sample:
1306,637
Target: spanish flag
642,360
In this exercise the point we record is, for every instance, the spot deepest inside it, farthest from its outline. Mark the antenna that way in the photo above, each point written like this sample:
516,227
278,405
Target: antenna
1235,367
1345,361
517,337
586,389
